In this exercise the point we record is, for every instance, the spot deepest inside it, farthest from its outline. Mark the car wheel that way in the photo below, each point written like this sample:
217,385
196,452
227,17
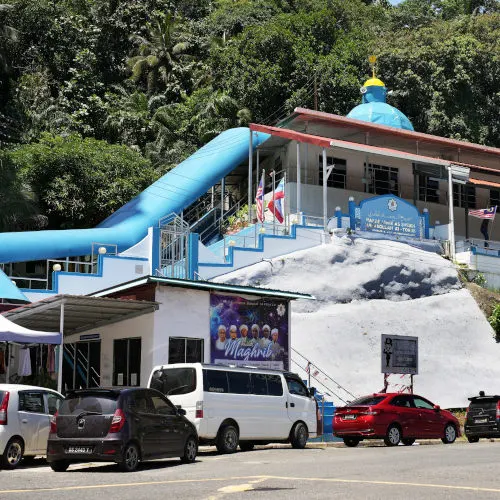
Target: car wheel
59,465
300,436
190,450
246,445
13,453
228,438
472,439
450,434
351,442
130,460
408,441
393,436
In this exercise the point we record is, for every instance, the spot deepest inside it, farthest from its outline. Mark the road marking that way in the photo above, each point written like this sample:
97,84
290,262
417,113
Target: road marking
258,479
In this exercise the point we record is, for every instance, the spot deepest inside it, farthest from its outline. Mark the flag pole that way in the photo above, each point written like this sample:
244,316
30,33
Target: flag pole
493,222
263,221
273,173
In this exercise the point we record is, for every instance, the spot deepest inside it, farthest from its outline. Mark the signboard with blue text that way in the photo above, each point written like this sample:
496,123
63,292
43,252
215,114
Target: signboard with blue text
390,214
249,332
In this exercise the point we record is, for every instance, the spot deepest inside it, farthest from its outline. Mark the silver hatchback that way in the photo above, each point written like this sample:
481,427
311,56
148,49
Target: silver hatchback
25,412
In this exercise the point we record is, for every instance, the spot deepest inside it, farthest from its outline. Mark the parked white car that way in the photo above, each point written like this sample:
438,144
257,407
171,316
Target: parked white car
25,412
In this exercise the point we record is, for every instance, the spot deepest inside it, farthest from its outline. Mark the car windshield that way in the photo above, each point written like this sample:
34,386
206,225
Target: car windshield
367,401
174,381
97,404
487,404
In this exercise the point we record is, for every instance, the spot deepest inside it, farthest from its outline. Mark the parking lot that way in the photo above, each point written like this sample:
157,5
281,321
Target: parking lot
371,471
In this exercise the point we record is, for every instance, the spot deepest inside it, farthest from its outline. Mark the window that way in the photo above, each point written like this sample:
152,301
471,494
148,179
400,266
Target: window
422,403
239,383
127,362
140,402
93,403
382,180
162,407
31,402
367,401
185,350
494,198
296,387
338,176
215,381
53,402
274,385
402,401
428,189
174,381
259,384
462,194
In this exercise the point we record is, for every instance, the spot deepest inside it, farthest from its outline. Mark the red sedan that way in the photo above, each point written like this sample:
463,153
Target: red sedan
394,418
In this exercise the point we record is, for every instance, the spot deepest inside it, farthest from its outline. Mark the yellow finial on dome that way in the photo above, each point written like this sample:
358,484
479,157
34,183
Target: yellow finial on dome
373,81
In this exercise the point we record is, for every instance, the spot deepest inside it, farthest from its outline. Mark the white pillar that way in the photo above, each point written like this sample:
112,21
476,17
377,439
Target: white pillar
250,166
299,194
325,207
61,348
451,224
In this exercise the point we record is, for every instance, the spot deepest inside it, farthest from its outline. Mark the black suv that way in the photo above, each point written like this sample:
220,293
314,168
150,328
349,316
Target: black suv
124,426
483,417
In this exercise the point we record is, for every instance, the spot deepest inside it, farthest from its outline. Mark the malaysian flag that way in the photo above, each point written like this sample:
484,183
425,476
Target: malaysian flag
259,199
484,213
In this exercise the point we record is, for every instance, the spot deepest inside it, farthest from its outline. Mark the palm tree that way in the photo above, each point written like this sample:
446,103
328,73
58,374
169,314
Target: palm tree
160,56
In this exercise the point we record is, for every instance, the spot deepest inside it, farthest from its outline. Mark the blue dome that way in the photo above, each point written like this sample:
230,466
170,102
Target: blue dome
375,110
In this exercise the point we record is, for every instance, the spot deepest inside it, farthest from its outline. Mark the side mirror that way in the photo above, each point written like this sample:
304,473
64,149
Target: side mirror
312,391
437,408
181,411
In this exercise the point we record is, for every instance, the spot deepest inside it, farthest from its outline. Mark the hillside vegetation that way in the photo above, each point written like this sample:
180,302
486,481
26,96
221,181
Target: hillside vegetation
113,93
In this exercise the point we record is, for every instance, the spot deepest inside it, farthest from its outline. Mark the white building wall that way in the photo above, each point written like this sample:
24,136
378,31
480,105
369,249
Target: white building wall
182,313
142,326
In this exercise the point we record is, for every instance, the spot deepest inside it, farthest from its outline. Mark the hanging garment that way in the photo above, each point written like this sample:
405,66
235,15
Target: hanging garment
2,362
24,369
51,359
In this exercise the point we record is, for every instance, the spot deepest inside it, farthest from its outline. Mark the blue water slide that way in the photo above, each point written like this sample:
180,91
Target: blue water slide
172,193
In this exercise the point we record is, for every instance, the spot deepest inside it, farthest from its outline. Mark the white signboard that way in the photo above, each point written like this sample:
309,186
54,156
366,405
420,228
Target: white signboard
399,354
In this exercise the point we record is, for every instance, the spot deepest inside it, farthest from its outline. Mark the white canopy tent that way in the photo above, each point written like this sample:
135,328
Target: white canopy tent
10,332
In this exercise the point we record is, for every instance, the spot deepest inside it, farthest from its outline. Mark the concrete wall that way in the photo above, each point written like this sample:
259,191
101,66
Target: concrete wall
273,246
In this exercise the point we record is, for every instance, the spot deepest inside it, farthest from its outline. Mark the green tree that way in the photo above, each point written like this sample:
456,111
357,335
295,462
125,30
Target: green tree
80,181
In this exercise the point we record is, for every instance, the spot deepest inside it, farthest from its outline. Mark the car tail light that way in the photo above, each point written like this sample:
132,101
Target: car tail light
118,421
53,423
498,410
3,408
199,409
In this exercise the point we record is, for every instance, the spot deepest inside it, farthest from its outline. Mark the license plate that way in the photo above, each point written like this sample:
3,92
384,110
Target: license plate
349,417
79,449
480,420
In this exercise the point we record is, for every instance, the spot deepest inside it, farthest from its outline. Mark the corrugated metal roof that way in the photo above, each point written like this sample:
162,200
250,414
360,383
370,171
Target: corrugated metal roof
81,313
204,285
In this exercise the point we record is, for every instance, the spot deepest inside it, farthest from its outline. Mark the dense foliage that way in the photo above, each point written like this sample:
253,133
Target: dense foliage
99,97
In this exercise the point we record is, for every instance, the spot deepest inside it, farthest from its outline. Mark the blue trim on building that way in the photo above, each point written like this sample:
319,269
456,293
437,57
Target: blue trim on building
193,243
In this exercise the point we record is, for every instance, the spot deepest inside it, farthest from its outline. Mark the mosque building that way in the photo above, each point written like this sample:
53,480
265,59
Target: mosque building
374,150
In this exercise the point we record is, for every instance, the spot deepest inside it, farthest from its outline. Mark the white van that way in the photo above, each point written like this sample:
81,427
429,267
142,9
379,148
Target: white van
240,405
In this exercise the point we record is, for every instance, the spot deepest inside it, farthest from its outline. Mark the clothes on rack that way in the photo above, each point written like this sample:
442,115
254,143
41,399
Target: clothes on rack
24,369
51,359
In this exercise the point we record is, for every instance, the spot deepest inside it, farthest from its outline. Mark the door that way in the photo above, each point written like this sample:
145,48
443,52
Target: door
430,418
52,403
408,416
33,422
300,405
173,426
146,426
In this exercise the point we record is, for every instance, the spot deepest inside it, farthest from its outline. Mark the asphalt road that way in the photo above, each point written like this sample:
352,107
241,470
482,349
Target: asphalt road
436,471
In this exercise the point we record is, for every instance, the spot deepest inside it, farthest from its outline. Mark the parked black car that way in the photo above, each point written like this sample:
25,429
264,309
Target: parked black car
125,426
483,418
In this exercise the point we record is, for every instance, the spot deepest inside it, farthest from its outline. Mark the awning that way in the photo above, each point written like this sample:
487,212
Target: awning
9,290
486,184
81,313
10,332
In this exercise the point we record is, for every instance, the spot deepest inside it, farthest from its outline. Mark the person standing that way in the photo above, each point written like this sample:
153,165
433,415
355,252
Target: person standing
484,232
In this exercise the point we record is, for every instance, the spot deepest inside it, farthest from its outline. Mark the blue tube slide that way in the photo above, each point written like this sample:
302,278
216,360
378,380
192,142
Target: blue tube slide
172,193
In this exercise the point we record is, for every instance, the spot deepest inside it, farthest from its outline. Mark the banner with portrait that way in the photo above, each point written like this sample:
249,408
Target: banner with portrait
249,332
